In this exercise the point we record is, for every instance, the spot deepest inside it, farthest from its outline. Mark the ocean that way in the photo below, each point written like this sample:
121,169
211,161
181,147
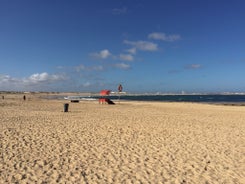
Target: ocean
186,98
174,98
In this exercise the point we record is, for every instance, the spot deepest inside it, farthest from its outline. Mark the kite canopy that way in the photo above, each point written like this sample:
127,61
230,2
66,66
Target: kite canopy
104,92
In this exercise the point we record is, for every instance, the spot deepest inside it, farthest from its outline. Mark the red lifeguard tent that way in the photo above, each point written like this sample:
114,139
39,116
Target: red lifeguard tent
105,92
103,100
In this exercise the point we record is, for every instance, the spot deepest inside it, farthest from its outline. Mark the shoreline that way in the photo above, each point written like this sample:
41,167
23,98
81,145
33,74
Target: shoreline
60,96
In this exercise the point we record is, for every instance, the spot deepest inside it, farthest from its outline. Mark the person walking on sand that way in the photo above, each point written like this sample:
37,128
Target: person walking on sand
24,97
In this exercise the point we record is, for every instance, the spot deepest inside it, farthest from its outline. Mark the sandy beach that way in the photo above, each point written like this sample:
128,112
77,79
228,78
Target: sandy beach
130,142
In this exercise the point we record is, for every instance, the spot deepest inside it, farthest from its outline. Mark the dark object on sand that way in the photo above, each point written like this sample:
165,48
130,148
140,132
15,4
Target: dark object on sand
106,100
24,97
110,102
3,97
75,101
66,106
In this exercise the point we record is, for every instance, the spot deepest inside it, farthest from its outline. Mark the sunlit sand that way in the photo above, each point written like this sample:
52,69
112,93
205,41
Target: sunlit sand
130,142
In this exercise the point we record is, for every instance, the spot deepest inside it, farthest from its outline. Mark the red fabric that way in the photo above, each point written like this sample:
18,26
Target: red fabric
105,92
102,100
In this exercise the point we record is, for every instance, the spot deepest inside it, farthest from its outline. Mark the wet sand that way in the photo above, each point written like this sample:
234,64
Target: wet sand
130,142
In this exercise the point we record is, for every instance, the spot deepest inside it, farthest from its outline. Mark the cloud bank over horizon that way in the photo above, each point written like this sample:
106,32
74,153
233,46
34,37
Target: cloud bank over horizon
37,81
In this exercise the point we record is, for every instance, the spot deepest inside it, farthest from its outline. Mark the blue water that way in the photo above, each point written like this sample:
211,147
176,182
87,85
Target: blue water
184,98
169,98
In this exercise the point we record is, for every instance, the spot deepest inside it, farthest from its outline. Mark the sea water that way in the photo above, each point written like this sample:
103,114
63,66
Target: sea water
174,98
184,98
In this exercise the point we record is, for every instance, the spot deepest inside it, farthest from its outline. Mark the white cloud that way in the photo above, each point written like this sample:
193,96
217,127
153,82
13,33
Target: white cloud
164,37
4,79
92,85
119,11
122,66
87,84
88,68
42,78
38,77
126,57
142,45
132,50
79,68
35,80
193,66
97,68
103,54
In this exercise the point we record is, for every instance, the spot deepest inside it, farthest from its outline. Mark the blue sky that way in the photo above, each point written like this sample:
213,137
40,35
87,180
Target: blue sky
146,45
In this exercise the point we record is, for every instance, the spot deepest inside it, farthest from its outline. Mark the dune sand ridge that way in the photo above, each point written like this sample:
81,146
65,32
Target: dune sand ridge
130,142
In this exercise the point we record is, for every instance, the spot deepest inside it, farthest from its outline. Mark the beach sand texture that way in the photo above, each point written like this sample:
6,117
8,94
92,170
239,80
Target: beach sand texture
130,142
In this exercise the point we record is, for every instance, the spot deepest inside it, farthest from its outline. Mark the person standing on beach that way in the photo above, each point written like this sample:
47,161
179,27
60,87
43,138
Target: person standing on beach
120,88
119,91
24,97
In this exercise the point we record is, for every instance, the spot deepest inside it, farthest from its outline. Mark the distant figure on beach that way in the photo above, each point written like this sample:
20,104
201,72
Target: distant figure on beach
3,97
24,97
120,88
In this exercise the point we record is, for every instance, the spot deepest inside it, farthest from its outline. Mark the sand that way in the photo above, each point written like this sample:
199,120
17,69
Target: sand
130,142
